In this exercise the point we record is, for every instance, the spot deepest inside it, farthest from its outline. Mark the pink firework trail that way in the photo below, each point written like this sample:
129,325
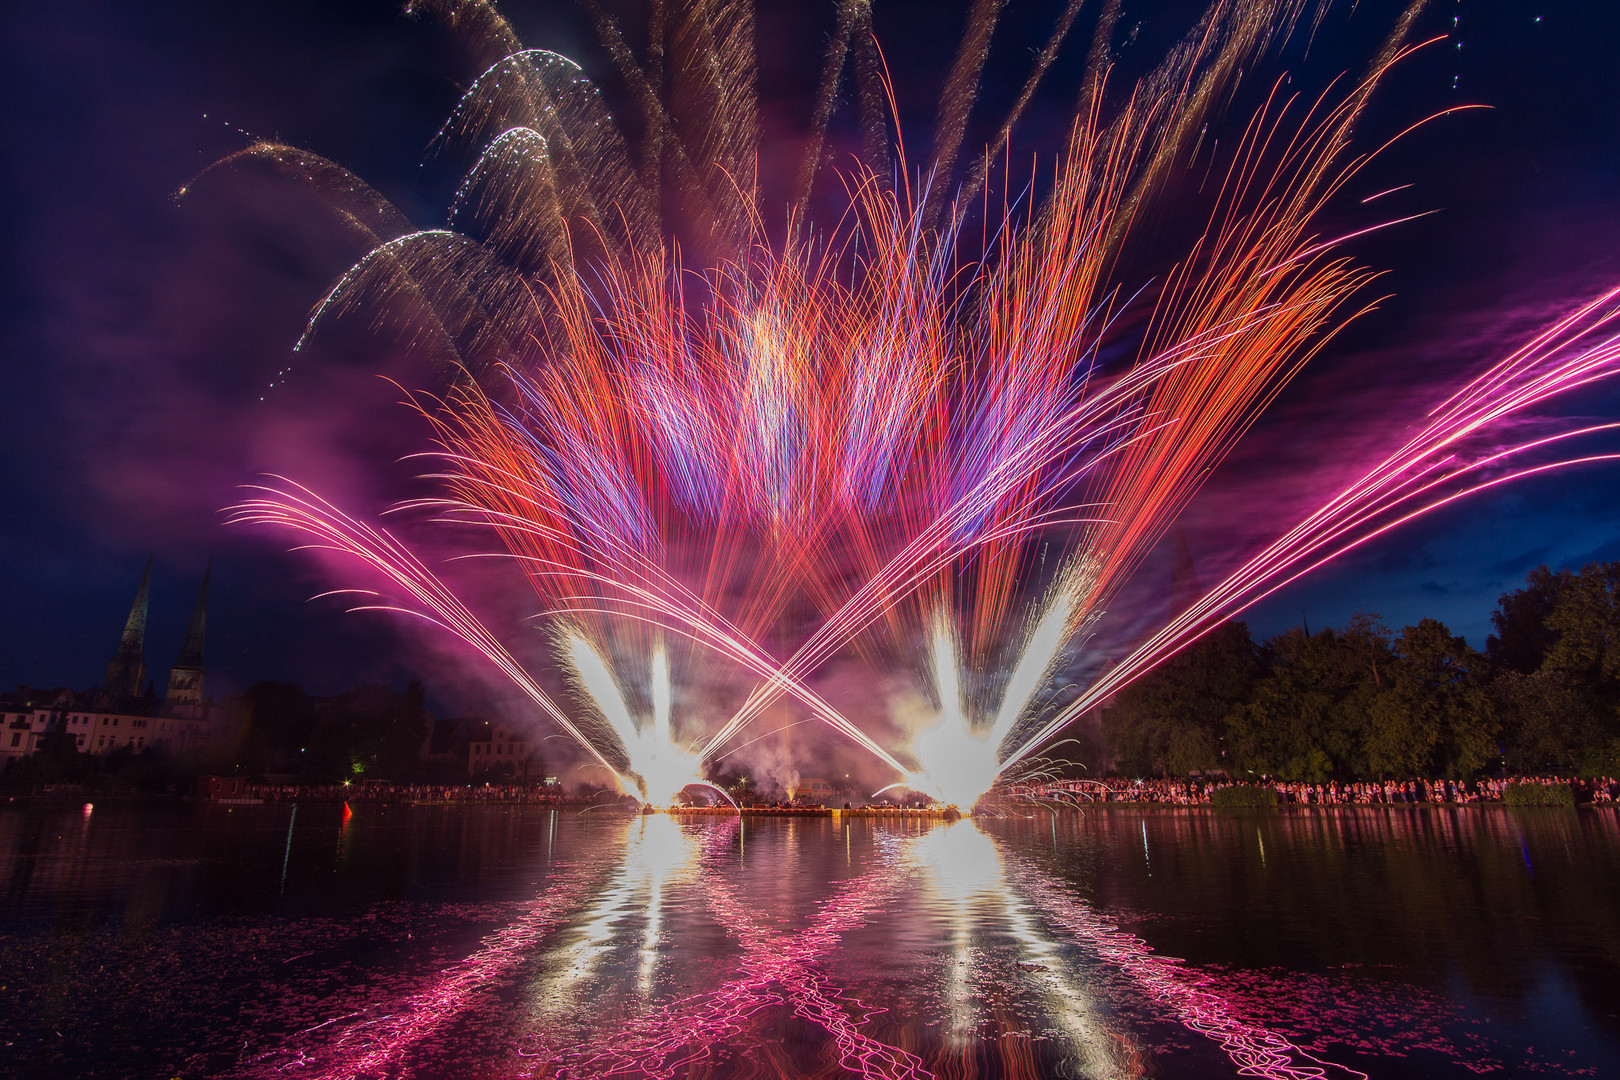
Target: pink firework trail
1431,470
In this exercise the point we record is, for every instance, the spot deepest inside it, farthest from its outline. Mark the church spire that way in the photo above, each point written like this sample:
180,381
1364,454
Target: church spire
186,677
127,671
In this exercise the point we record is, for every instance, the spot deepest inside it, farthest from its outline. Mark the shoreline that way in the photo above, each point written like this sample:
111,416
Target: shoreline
95,801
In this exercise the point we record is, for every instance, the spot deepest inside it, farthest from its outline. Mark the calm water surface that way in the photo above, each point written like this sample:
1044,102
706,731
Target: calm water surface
492,942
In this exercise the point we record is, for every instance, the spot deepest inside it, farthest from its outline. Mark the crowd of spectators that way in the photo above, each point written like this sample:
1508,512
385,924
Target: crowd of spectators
1172,792
1193,792
534,794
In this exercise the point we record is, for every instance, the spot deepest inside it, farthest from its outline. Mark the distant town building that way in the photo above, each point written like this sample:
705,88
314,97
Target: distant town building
493,746
126,712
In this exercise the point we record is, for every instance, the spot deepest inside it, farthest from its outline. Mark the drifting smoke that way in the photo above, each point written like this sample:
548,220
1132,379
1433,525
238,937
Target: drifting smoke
858,443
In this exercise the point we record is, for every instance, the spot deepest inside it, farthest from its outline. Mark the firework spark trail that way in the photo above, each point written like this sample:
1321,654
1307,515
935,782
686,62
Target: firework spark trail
591,468
1254,260
583,159
1155,481
779,969
504,483
1043,61
313,515
1255,1050
1399,488
947,538
876,423
1046,640
674,608
625,569
308,513
590,442
376,1046
956,758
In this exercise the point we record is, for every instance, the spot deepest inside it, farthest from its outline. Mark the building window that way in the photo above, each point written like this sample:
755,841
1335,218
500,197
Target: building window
16,739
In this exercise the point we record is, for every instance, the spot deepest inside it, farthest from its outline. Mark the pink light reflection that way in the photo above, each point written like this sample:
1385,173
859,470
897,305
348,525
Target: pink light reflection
375,1047
1255,1050
779,970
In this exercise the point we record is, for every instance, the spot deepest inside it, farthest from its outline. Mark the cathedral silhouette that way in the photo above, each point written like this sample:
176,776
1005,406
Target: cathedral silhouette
126,672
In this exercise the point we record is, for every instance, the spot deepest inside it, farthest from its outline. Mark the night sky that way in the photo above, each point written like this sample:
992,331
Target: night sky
142,329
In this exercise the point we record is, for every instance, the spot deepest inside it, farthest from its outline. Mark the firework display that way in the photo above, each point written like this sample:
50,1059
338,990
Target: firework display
933,434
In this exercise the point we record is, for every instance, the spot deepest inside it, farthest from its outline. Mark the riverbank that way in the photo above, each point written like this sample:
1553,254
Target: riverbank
1010,801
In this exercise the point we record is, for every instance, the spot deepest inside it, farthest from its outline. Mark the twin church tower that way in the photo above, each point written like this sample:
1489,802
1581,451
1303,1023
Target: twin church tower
126,674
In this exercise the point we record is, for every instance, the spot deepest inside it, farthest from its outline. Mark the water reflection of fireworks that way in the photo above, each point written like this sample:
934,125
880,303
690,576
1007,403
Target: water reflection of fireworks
778,971
381,1042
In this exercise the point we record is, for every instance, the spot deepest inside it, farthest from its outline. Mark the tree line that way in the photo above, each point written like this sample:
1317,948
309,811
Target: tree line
1363,703
371,731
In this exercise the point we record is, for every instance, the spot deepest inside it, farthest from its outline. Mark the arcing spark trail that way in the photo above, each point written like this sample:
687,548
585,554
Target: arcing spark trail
863,437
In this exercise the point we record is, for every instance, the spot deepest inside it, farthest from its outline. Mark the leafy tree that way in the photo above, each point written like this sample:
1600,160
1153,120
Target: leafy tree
1559,697
1586,655
1523,638
1309,715
1431,714
1404,731
1547,721
278,723
371,731
1602,758
1172,719
1586,622
55,760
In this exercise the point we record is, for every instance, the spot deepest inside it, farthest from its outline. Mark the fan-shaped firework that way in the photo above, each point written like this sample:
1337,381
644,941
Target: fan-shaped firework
687,414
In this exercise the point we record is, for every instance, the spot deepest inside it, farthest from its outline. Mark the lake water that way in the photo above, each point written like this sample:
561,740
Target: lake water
491,942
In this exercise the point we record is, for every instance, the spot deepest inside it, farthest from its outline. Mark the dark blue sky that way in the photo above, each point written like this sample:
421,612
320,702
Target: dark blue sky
139,327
